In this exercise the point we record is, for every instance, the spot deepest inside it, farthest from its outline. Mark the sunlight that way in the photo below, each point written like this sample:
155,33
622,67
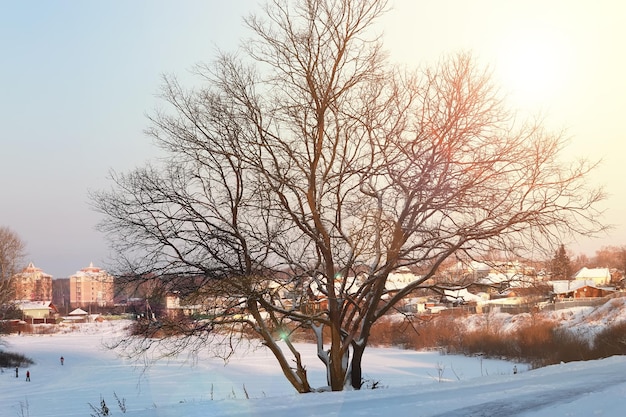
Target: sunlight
533,64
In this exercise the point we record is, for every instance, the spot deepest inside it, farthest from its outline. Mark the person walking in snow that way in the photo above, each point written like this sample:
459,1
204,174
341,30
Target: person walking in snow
62,360
17,372
28,376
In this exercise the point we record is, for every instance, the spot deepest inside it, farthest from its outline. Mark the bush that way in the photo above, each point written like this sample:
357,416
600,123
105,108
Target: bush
568,347
611,341
13,360
486,342
537,341
420,332
533,339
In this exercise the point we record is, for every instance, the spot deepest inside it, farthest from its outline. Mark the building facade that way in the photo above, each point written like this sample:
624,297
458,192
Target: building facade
599,276
32,284
91,286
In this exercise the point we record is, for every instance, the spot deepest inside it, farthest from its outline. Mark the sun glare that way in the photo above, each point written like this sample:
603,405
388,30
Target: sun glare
533,65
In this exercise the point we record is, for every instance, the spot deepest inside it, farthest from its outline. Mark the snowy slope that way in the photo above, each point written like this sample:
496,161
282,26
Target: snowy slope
415,383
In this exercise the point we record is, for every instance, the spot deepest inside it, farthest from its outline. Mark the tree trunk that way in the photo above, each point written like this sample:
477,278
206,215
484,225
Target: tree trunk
337,371
356,375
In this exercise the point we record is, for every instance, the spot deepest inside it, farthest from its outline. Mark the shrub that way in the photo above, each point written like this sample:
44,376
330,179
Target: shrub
537,341
534,341
568,347
419,332
611,341
486,342
12,360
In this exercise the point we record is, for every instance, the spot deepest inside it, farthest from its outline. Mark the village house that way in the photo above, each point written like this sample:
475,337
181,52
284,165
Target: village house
77,315
38,312
175,308
399,279
491,276
503,275
599,276
579,288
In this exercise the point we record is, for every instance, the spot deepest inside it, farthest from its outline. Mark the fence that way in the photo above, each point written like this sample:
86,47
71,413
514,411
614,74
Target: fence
580,302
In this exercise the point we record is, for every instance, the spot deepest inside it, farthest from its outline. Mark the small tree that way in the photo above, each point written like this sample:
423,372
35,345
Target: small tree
300,178
561,266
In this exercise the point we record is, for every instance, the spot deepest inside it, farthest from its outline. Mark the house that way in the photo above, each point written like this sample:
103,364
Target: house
78,312
78,315
461,296
599,276
399,279
174,307
37,312
317,298
579,288
494,276
591,291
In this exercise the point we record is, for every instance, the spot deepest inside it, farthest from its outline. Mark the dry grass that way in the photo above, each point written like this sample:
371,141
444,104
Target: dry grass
611,341
538,341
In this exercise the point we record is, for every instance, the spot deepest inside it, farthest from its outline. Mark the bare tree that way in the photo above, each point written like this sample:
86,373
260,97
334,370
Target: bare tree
11,256
313,166
610,257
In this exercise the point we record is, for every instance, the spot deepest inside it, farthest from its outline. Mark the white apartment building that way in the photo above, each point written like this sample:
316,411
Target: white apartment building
91,286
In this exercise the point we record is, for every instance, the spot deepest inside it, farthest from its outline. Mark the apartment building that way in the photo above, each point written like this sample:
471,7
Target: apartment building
91,286
32,284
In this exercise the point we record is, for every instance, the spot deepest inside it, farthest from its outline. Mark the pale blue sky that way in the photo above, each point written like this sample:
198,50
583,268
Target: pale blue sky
78,77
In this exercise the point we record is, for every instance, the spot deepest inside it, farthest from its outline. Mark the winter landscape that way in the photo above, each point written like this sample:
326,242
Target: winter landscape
250,384
315,171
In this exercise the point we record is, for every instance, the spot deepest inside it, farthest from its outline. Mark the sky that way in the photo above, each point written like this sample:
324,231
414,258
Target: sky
77,80
412,383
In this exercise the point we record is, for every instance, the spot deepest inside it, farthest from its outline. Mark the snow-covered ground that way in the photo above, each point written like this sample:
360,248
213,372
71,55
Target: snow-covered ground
584,321
413,383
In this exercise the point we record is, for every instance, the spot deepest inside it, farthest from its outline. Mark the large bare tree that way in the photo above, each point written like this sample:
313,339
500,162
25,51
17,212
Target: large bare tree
11,256
308,163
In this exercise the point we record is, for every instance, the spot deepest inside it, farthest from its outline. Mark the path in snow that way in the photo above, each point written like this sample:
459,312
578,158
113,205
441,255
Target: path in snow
524,396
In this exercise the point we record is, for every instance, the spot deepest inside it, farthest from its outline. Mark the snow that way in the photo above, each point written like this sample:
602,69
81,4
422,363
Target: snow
600,274
565,286
412,383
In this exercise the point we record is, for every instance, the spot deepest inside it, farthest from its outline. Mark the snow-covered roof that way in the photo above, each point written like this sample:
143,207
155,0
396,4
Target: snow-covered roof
479,266
395,281
78,312
351,282
516,280
498,277
398,280
464,294
32,269
33,305
567,286
589,273
493,278
90,271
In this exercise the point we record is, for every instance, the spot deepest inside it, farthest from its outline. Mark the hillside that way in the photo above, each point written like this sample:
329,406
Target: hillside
584,321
